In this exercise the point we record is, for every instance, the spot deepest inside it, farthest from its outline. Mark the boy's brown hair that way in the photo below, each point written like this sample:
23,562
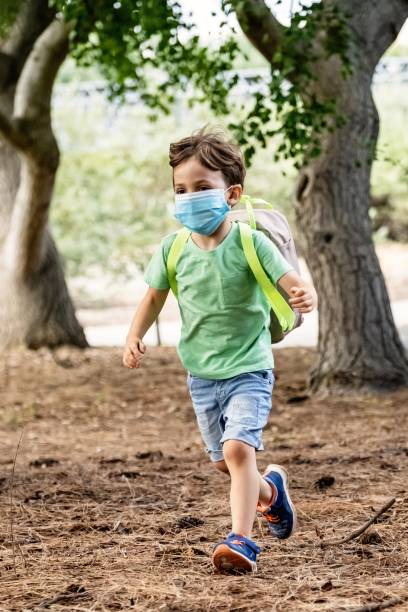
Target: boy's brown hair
214,151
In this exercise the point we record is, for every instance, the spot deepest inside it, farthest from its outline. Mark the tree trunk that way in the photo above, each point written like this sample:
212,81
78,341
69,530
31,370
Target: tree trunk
35,305
38,311
36,308
359,346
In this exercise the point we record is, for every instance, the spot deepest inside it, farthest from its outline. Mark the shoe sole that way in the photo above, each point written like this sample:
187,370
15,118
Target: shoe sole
285,479
226,559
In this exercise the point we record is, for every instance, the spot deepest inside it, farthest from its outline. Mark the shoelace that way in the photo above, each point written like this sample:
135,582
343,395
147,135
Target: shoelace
272,518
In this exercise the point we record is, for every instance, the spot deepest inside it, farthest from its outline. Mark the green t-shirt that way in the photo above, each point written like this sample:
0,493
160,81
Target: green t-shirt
224,313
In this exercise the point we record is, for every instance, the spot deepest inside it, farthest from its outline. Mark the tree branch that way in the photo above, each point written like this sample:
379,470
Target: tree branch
34,88
32,104
361,529
33,18
24,247
9,129
266,34
394,15
259,25
376,24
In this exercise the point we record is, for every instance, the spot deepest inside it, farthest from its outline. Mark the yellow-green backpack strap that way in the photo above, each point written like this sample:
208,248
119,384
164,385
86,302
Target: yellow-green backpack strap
245,198
281,308
172,258
249,203
251,215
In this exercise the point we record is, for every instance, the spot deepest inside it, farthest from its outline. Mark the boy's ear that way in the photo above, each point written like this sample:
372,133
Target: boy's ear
234,195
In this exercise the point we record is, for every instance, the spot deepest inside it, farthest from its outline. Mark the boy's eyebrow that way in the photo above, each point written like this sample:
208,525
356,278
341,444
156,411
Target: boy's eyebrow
202,180
197,182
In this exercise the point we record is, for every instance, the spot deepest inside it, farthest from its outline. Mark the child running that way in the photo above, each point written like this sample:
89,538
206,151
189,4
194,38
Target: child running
225,343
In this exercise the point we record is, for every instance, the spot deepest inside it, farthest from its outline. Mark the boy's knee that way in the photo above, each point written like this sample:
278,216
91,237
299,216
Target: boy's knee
221,466
236,451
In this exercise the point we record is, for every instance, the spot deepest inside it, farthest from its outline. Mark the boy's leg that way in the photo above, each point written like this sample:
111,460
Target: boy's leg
267,494
244,495
274,502
245,401
246,406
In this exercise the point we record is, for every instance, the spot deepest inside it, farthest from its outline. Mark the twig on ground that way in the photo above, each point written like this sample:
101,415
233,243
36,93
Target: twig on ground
13,544
62,598
381,605
360,530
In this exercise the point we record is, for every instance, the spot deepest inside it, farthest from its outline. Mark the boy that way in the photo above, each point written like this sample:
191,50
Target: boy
225,342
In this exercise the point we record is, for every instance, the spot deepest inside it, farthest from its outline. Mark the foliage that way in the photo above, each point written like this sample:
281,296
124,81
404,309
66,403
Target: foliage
287,107
148,47
8,12
106,216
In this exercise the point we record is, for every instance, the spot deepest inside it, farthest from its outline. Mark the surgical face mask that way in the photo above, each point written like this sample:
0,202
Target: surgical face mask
202,211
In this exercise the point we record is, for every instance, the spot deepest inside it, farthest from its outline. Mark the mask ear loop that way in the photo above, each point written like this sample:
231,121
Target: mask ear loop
225,191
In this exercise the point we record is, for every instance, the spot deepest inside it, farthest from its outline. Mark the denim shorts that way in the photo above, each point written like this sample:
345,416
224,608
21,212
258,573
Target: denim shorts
234,408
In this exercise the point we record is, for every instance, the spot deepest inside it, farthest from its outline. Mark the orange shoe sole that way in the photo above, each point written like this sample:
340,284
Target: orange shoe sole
228,560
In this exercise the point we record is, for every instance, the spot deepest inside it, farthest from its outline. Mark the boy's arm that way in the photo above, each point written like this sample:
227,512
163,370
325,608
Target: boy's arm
303,296
145,315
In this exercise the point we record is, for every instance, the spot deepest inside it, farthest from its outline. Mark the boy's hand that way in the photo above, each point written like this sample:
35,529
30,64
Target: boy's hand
304,300
133,353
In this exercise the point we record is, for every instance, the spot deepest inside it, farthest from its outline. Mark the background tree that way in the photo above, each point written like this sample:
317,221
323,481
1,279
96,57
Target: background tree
320,100
137,46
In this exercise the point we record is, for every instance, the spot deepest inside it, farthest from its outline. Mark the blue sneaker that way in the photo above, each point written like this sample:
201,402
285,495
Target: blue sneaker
281,515
235,553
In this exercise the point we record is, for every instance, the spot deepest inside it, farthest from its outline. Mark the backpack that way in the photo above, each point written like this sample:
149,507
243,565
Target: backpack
275,226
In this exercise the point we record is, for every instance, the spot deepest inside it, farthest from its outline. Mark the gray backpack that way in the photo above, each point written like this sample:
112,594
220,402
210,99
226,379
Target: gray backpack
275,226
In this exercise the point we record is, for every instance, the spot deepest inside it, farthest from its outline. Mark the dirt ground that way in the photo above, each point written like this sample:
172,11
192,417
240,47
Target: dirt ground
114,505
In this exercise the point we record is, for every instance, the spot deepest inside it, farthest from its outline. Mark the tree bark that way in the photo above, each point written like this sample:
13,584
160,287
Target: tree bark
35,305
358,346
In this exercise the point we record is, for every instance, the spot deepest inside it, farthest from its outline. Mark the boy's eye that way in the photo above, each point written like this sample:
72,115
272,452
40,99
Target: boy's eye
201,188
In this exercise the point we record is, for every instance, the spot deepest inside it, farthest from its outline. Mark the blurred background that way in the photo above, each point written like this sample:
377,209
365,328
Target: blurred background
113,201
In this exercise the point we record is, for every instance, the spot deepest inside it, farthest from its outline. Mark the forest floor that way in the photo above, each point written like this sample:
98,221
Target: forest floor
113,504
